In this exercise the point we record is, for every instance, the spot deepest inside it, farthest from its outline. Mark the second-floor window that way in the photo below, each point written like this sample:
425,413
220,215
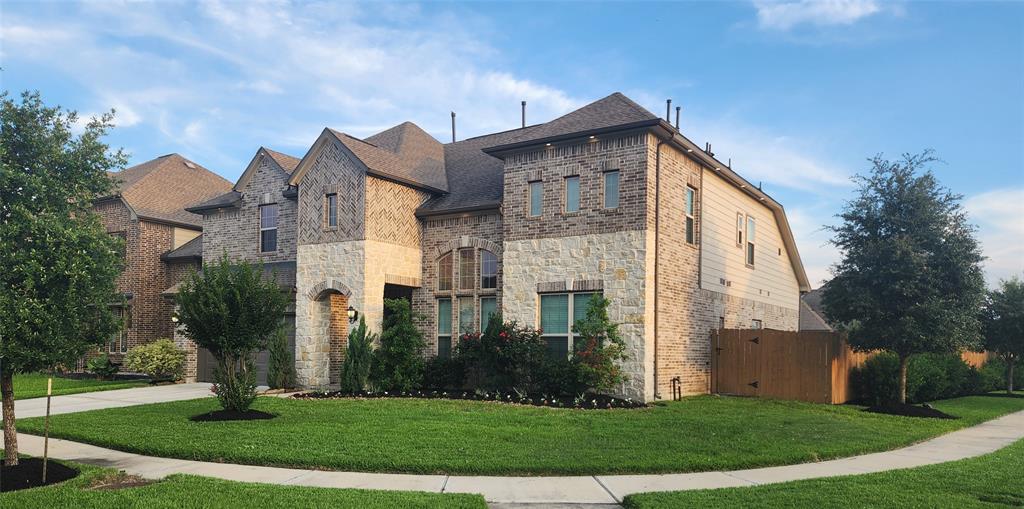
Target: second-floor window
536,197
488,269
467,272
691,195
572,194
739,229
444,273
750,241
268,228
611,189
331,206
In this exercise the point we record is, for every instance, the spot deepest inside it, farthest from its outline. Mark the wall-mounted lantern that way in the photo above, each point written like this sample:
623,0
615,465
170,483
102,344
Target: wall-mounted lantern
353,315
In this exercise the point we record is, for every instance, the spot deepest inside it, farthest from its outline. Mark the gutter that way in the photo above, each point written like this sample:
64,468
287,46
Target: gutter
492,206
657,244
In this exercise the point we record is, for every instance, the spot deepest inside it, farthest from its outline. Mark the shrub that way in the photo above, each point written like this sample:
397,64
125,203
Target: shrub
102,367
561,377
505,357
161,360
355,371
994,372
281,364
599,348
398,364
444,374
929,377
235,386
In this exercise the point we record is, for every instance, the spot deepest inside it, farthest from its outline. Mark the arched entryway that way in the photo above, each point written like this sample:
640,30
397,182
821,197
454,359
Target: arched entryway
330,322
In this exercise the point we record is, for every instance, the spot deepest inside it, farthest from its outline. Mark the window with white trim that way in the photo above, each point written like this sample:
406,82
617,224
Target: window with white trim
558,313
739,229
444,328
536,197
611,189
691,195
572,194
268,228
750,240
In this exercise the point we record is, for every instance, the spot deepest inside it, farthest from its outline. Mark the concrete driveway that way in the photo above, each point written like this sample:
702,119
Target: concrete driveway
36,407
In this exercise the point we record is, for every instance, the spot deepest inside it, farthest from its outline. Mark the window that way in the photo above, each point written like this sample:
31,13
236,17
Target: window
122,246
556,311
691,194
444,273
268,228
444,328
739,229
332,210
755,324
488,269
466,315
750,241
488,306
721,322
536,197
119,341
611,189
467,270
572,194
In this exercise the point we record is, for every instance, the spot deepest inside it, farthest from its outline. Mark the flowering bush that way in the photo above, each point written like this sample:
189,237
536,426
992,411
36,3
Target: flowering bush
505,357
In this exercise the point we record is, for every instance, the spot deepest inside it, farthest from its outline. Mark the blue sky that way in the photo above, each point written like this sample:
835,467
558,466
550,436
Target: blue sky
797,93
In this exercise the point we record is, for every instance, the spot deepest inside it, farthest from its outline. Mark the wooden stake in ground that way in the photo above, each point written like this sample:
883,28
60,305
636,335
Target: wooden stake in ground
46,426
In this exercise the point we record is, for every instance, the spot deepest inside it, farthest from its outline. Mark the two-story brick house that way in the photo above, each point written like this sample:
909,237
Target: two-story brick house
530,222
147,209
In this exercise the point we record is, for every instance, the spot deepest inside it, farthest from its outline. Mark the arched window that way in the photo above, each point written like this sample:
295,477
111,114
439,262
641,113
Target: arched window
444,272
488,269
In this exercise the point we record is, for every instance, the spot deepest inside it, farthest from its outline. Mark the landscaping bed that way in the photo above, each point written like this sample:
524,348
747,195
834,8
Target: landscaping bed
28,473
33,385
992,480
473,437
583,402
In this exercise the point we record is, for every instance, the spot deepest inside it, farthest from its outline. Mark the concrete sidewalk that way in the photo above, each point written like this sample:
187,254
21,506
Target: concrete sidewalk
604,489
36,407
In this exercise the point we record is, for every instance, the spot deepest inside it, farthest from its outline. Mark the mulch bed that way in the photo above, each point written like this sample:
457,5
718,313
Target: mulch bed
589,402
28,473
231,415
909,411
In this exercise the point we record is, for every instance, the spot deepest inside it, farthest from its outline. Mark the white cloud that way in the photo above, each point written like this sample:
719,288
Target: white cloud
998,215
784,15
812,240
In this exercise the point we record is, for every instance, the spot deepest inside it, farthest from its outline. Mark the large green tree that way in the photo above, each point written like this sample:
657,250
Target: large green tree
1003,320
232,311
910,278
59,263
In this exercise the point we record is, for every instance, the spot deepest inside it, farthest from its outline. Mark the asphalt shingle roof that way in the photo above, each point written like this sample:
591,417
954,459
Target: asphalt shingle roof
163,188
405,153
611,111
812,315
190,250
285,161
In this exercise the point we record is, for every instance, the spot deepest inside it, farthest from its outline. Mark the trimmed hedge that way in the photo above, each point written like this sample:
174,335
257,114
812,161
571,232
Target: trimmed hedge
929,377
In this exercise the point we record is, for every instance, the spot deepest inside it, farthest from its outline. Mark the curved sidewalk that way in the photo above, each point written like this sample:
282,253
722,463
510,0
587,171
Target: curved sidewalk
602,489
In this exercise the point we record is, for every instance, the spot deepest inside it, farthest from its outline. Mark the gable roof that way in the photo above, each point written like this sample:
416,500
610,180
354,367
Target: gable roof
161,189
613,111
284,162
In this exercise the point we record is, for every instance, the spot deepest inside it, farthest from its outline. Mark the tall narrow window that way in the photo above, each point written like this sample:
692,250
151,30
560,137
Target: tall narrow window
611,189
466,314
739,229
488,269
444,273
467,271
332,210
488,306
119,340
268,228
536,197
691,195
554,324
444,328
750,241
572,194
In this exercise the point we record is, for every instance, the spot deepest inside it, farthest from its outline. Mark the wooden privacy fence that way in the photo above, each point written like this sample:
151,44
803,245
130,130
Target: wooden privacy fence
810,366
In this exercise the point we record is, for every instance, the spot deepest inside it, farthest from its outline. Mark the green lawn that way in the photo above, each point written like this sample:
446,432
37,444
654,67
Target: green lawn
993,480
33,385
469,437
190,491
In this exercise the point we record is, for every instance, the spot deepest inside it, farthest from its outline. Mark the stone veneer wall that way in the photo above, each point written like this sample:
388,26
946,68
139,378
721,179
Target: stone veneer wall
619,260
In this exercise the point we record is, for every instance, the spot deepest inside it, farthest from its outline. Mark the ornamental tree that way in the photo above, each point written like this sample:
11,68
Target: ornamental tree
59,264
232,311
599,348
910,278
1003,324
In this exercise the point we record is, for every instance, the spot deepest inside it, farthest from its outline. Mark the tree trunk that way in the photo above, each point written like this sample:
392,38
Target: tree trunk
10,433
1009,375
904,360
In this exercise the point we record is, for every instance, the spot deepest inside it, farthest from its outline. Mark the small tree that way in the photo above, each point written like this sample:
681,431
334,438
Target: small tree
599,348
59,265
281,364
1003,320
355,371
398,363
232,311
910,279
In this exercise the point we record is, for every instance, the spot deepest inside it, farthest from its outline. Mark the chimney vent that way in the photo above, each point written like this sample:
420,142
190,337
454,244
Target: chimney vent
668,110
677,116
453,127
524,113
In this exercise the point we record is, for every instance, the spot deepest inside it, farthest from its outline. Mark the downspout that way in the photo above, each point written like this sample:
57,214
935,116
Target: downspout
657,243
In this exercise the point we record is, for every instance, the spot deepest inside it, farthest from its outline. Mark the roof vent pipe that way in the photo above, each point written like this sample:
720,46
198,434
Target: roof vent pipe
453,127
677,116
524,113
668,110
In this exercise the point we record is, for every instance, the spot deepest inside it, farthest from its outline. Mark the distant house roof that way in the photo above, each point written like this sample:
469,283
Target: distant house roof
281,272
812,316
228,199
161,189
191,250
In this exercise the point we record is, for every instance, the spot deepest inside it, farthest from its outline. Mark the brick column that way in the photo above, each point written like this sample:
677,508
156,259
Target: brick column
338,336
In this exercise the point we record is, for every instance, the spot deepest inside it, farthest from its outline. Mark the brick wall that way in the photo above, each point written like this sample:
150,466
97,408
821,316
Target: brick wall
332,171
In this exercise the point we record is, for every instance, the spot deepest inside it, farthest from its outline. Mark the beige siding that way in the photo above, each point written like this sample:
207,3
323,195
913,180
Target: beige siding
183,235
771,280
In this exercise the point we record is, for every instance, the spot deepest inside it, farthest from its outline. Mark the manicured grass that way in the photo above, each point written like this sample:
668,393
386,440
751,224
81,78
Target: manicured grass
33,385
469,437
188,491
993,480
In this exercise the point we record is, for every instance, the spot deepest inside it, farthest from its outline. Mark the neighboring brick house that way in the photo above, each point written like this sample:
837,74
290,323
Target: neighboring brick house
147,210
529,222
